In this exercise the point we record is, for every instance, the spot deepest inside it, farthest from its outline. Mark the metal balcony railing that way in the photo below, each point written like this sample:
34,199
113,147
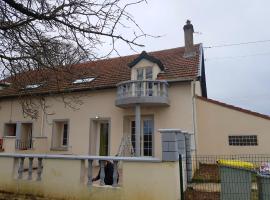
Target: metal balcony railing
23,144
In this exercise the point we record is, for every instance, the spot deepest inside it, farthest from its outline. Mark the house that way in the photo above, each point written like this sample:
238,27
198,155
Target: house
126,101
125,97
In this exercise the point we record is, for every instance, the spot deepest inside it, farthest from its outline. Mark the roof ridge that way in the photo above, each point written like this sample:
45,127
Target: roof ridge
237,108
137,54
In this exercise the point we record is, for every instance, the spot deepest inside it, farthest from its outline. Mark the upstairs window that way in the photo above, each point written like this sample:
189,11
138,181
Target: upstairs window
32,86
148,73
145,73
83,80
140,74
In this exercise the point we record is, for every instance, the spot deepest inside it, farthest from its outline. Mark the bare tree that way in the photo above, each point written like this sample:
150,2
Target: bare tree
55,34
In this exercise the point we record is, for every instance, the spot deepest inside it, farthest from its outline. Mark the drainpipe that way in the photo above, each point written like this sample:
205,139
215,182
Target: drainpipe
42,118
138,129
194,115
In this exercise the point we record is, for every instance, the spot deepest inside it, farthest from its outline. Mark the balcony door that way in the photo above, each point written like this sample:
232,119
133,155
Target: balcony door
144,88
147,131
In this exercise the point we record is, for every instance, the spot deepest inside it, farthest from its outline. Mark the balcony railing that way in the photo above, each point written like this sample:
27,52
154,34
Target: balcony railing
23,144
142,91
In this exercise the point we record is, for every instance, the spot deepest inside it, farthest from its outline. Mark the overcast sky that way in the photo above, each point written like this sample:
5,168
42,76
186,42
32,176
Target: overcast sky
243,79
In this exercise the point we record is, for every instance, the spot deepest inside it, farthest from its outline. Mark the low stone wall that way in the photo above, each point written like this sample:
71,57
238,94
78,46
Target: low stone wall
66,177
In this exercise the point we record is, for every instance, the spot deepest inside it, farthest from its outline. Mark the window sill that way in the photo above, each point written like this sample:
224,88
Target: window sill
9,137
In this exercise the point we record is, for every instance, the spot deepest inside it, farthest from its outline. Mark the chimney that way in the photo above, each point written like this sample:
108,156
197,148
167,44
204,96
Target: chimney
189,46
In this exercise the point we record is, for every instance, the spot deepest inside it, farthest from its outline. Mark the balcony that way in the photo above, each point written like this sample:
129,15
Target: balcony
145,92
23,144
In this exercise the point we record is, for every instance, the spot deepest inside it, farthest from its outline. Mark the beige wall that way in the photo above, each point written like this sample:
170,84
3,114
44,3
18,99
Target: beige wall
102,104
215,123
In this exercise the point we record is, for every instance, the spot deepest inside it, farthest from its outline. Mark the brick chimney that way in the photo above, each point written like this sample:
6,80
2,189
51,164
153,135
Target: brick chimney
189,46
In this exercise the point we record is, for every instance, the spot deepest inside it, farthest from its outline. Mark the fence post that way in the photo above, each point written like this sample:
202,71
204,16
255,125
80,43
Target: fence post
181,177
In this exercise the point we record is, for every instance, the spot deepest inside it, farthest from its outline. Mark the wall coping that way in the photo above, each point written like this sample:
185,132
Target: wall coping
81,157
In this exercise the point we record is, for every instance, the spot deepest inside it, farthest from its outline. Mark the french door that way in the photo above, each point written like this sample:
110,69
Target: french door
146,139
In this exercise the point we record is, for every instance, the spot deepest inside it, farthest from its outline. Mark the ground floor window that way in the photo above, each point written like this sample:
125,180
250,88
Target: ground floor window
60,134
104,139
10,129
23,133
147,136
243,140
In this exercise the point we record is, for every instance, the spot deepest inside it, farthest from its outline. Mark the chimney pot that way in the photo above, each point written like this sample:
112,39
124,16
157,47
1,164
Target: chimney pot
189,45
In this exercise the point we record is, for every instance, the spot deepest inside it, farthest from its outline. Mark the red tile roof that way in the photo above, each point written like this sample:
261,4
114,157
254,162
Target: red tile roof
234,107
107,73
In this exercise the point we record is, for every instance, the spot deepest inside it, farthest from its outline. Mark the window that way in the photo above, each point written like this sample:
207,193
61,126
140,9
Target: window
243,140
148,73
83,80
140,74
133,135
33,86
65,135
60,135
147,137
147,140
145,73
10,129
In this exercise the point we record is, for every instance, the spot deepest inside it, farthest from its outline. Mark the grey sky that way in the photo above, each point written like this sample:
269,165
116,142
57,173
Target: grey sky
239,81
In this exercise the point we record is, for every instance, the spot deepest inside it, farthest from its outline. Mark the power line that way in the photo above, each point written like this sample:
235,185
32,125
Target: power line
236,57
237,44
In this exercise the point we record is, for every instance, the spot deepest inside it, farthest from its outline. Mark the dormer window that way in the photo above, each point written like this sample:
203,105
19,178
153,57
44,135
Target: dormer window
145,73
145,67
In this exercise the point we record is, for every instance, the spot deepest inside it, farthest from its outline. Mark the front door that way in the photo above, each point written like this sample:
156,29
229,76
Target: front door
104,139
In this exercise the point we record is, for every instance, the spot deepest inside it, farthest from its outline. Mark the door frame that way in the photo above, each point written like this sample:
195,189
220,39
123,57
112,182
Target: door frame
94,132
143,117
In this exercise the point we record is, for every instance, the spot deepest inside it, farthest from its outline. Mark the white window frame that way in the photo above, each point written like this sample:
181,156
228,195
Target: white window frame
144,69
59,145
143,118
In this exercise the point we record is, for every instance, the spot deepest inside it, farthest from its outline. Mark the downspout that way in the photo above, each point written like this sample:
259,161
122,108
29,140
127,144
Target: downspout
194,115
42,118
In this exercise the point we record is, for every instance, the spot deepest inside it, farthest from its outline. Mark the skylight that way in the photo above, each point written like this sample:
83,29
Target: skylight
83,80
33,86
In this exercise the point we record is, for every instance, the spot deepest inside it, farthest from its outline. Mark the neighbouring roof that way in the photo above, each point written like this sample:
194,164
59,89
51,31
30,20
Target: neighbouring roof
234,107
106,73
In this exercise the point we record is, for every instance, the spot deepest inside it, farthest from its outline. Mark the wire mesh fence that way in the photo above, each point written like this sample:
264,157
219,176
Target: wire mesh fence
228,177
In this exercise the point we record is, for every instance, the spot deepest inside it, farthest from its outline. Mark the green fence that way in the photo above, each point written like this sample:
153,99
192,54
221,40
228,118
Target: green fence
227,177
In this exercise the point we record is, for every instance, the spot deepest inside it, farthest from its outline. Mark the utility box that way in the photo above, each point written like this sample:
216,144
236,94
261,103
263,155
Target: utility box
236,180
263,186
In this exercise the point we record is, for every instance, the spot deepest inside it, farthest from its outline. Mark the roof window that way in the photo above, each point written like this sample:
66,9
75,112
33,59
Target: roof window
32,86
83,80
